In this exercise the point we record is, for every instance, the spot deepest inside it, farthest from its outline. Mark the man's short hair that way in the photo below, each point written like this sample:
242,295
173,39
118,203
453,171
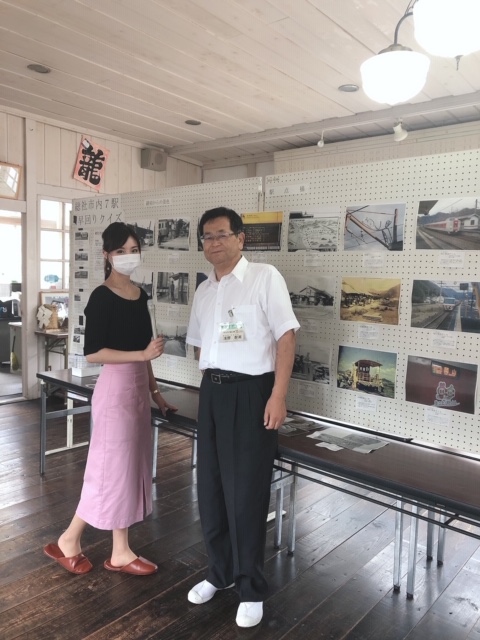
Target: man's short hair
236,224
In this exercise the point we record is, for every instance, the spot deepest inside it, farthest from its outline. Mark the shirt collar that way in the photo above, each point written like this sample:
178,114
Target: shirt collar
238,271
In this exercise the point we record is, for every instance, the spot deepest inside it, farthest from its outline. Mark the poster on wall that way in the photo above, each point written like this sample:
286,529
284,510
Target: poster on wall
201,276
263,230
370,300
174,338
79,336
173,233
80,299
374,227
314,230
445,384
446,305
80,258
145,232
311,293
367,371
312,360
449,224
81,278
143,278
97,211
172,287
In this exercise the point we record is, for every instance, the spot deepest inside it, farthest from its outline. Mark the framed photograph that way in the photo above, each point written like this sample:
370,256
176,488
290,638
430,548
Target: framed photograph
10,175
58,297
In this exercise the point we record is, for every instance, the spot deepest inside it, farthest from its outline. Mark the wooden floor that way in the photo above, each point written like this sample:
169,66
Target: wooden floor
337,585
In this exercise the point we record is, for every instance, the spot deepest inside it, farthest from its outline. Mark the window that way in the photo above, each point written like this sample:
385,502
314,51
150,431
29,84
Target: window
11,251
54,244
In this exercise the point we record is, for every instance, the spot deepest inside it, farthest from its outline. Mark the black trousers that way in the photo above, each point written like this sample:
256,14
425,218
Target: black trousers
234,469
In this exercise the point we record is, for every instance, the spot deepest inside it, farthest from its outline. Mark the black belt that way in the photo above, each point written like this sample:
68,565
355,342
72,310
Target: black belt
219,376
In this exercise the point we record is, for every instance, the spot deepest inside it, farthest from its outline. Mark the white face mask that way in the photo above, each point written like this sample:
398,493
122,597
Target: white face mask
126,263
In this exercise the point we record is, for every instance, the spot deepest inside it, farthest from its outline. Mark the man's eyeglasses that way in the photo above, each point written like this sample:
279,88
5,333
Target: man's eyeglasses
219,237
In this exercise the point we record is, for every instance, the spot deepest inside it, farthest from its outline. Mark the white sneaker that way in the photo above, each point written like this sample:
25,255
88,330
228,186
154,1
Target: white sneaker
249,614
203,592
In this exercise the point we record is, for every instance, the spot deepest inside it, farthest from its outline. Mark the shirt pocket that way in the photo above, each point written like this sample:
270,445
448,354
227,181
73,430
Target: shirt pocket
247,313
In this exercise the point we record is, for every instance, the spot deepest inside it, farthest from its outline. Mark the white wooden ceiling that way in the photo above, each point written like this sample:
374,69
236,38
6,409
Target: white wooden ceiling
261,75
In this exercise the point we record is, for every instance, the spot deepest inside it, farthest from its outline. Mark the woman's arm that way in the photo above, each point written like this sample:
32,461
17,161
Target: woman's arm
157,397
115,356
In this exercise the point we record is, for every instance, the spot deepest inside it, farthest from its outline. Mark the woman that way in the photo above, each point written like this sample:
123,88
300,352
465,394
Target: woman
117,488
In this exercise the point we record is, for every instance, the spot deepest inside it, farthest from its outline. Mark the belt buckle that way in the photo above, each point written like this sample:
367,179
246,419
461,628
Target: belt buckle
216,377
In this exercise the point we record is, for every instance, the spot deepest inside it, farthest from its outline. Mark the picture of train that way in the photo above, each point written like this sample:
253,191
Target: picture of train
454,225
449,223
446,305
449,304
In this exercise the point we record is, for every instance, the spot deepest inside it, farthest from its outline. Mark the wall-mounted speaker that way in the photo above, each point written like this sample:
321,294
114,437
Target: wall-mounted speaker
154,159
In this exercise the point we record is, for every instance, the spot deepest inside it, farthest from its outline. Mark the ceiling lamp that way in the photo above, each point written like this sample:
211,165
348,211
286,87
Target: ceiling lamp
396,74
399,133
446,28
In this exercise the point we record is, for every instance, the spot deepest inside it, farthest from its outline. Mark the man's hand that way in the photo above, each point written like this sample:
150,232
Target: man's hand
275,412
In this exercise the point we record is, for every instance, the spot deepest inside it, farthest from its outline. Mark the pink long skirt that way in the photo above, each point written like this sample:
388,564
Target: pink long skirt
117,486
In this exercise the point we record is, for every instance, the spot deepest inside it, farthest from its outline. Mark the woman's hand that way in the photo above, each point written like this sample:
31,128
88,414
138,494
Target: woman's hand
162,404
154,349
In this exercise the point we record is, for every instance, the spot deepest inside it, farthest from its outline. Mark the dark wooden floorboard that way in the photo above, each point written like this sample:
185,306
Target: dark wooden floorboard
337,585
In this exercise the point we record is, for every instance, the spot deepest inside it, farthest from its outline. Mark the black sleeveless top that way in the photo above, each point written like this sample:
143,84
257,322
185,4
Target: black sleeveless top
113,322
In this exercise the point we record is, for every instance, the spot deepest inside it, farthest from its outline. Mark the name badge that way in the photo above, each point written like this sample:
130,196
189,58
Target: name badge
232,332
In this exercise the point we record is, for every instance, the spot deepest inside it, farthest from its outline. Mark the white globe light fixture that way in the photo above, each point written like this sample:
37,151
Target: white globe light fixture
394,75
447,28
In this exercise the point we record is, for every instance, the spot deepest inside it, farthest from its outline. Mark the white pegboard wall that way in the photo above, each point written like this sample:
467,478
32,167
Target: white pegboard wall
183,202
404,180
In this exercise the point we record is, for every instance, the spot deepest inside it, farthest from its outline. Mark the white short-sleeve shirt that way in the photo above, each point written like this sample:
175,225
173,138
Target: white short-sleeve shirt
255,294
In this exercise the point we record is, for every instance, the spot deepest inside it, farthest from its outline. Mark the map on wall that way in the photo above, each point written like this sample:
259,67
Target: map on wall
314,230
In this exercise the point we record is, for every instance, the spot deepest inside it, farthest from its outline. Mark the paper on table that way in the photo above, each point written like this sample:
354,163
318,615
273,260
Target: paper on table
348,440
293,426
330,446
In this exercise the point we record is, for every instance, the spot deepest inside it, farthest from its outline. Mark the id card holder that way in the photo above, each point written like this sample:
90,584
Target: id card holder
232,332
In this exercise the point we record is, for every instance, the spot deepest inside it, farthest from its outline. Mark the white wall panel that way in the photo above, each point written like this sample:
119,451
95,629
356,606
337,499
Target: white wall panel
225,173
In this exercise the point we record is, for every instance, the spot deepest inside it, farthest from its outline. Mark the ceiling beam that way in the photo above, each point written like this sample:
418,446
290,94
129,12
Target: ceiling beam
391,113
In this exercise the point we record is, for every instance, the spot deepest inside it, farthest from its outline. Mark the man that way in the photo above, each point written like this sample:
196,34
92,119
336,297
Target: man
242,321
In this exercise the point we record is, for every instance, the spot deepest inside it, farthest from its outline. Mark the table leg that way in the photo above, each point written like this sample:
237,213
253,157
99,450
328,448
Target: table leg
430,534
69,423
412,553
292,514
441,545
155,451
397,554
194,452
43,425
278,518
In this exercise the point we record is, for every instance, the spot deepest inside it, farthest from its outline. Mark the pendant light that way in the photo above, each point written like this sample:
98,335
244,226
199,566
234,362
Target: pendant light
396,74
448,29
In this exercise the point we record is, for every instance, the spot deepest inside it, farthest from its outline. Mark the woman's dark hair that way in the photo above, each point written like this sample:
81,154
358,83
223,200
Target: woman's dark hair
236,223
114,237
